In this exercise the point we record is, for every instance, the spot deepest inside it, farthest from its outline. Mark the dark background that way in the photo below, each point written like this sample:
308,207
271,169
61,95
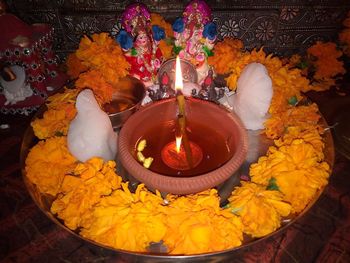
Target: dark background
283,27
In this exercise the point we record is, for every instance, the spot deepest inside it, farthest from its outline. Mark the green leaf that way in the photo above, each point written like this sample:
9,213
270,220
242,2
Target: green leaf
293,100
235,210
133,52
207,51
226,206
169,41
303,64
177,50
272,185
59,134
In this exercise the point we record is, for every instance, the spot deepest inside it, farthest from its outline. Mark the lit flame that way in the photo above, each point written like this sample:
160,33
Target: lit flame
178,143
178,76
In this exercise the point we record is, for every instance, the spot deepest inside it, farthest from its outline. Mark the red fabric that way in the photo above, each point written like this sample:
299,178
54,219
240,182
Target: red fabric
138,67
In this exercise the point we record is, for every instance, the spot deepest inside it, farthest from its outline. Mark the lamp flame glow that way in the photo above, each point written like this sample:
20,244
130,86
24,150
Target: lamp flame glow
178,76
178,143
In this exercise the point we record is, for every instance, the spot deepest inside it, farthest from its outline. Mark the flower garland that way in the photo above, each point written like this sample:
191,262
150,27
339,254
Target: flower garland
56,119
98,64
91,197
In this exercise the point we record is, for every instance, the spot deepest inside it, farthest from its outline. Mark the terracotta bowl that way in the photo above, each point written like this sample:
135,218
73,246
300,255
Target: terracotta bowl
225,123
126,100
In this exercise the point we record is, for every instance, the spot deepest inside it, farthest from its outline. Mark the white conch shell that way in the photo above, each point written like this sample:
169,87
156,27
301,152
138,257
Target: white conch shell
253,97
91,134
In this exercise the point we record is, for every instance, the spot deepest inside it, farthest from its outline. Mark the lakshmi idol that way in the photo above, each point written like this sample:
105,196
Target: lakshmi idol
140,48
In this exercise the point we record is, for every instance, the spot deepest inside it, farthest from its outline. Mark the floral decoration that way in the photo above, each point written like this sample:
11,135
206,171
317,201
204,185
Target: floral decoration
47,164
102,58
75,66
56,119
324,58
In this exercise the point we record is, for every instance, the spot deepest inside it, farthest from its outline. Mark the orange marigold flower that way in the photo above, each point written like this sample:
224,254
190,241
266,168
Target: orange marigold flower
93,79
226,53
305,117
157,19
102,53
326,63
47,164
75,66
167,50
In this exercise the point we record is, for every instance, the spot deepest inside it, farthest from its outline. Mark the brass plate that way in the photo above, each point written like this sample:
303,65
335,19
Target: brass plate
258,144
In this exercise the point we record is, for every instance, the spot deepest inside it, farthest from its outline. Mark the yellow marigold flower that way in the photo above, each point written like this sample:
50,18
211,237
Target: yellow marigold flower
297,155
47,163
56,119
157,19
126,220
311,136
54,122
300,186
298,170
196,224
56,101
261,210
83,189
94,80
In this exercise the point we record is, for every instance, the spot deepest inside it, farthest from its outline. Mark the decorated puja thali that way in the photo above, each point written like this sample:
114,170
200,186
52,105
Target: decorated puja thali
190,175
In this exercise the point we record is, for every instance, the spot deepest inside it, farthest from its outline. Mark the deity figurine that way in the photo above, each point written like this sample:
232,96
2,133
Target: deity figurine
139,44
195,36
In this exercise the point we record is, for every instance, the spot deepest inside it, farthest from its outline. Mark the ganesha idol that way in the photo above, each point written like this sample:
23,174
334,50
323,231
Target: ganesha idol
139,42
29,68
195,36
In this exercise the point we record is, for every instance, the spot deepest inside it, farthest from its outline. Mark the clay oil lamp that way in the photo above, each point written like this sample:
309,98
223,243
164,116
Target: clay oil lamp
188,145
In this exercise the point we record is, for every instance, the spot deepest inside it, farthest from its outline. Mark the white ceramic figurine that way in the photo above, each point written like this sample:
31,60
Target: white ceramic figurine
91,134
253,97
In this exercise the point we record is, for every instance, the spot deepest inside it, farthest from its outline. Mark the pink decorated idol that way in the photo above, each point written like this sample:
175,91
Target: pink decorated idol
140,48
195,36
